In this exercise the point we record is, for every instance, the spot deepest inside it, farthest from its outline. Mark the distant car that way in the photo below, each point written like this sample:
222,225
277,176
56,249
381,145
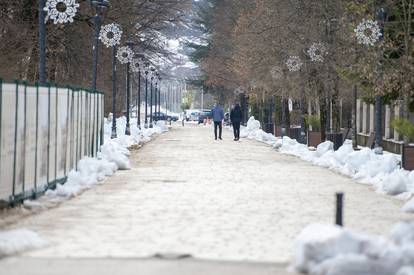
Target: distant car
173,118
205,114
162,116
194,116
191,114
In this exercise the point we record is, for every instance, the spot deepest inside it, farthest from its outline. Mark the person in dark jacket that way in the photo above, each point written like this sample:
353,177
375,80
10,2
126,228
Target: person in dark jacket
217,114
236,117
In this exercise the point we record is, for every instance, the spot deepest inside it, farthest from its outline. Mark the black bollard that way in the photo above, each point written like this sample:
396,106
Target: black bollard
339,209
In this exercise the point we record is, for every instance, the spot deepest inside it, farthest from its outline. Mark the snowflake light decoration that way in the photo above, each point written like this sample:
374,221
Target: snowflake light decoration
368,32
294,63
61,11
110,35
135,65
317,52
125,55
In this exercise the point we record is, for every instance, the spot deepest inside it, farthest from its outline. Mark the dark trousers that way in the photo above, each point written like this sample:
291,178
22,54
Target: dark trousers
218,125
236,130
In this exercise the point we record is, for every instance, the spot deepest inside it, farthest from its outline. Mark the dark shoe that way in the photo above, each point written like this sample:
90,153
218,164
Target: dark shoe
220,138
235,139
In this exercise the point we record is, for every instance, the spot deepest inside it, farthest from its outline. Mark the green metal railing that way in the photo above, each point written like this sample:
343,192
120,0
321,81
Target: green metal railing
44,131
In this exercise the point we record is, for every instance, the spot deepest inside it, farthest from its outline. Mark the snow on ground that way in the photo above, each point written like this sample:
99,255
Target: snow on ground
383,172
332,250
16,241
112,157
217,200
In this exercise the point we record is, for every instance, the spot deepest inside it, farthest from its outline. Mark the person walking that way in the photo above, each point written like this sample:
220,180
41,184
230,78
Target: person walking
217,114
236,117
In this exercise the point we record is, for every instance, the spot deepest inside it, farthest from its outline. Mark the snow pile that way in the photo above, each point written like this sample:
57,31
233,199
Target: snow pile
381,171
114,155
254,131
16,241
332,250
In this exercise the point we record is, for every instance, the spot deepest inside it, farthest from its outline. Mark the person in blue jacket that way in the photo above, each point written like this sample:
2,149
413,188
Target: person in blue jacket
217,114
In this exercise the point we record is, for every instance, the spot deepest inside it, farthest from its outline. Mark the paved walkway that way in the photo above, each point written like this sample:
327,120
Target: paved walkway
216,200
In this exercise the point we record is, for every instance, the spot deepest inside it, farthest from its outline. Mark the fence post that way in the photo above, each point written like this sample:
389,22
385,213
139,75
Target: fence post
387,121
37,141
67,133
15,141
72,154
102,102
24,138
93,123
56,129
371,118
364,117
80,121
78,128
339,209
48,135
1,118
97,123
397,114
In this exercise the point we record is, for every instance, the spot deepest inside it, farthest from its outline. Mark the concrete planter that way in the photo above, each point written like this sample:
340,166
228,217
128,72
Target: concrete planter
314,138
408,157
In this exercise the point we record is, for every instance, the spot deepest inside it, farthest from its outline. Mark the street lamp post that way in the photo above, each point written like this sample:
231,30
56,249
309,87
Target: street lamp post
147,64
110,36
159,94
114,134
166,94
129,44
100,7
151,97
139,100
136,68
156,96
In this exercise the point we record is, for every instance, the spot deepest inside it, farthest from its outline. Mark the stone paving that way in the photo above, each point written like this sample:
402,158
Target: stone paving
215,200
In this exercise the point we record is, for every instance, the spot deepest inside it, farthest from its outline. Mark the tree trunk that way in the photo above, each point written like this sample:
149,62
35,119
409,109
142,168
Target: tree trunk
323,107
354,118
336,120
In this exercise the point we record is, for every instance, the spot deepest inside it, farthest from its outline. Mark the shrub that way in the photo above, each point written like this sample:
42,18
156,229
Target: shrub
404,127
314,121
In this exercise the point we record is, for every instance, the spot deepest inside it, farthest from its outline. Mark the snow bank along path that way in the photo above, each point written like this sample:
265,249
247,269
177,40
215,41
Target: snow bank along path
330,250
114,155
383,172
226,200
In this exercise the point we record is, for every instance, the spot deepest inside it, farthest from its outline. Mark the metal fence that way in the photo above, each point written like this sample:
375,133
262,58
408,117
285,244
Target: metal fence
44,132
